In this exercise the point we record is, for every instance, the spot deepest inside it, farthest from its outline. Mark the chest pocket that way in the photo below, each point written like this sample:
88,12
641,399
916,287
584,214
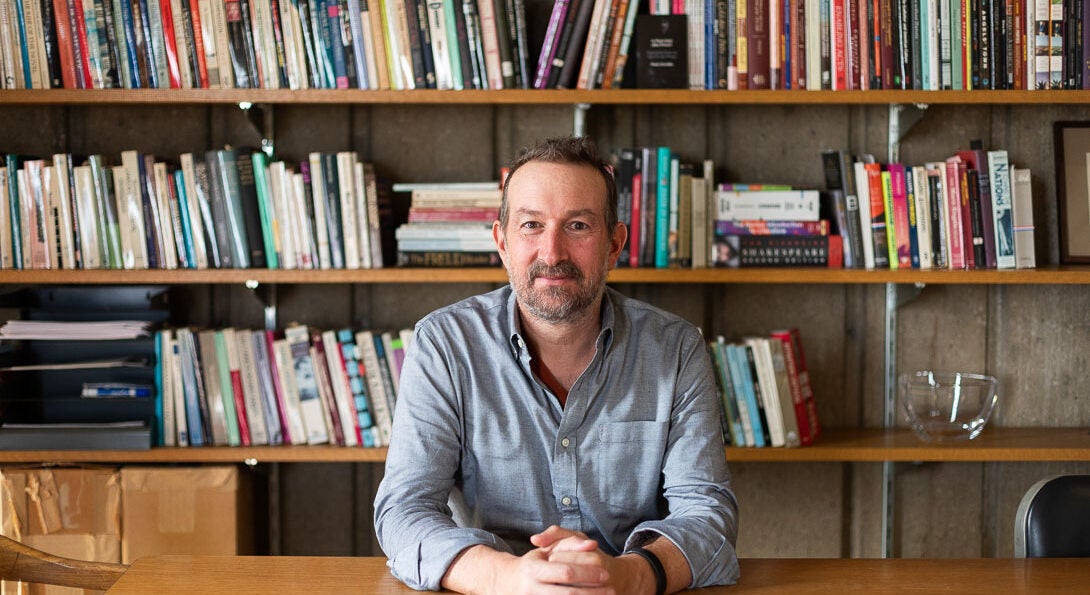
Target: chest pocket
629,465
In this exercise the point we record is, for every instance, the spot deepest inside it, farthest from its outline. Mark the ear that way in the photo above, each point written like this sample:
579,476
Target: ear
616,243
501,240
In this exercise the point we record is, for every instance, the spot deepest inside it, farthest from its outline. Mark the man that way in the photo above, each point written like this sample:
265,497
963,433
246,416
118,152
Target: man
554,432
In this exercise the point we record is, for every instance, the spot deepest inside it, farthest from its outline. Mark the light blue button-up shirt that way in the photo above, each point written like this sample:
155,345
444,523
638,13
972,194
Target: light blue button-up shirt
483,453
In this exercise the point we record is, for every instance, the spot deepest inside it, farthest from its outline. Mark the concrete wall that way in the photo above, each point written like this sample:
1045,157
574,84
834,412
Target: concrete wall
1034,338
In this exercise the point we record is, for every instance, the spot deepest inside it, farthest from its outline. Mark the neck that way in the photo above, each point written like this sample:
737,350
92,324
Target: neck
561,351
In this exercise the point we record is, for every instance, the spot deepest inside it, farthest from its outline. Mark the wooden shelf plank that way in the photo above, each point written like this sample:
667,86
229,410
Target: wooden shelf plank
1046,275
532,97
834,446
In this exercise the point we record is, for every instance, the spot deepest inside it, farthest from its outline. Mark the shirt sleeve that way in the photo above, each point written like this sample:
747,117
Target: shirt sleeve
703,512
413,521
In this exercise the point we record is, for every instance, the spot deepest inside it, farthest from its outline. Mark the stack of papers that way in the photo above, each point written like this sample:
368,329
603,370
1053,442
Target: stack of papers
58,330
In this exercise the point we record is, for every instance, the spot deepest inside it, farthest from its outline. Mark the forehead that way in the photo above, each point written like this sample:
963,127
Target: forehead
543,186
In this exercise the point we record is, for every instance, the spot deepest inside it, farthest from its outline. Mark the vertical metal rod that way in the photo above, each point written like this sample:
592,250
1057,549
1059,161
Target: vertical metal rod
579,127
888,408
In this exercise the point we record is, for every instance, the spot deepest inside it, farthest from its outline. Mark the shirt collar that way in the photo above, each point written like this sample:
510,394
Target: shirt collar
605,336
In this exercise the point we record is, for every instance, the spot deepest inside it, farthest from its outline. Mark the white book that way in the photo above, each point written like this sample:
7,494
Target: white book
130,212
169,251
321,231
35,43
281,216
346,184
377,46
342,392
167,363
219,33
251,388
62,203
185,368
442,52
380,403
797,205
87,216
315,416
490,41
591,54
762,360
289,394
397,45
862,193
813,46
8,72
181,48
325,393
921,194
263,34
308,249
1002,211
227,352
294,62
196,222
1025,252
783,393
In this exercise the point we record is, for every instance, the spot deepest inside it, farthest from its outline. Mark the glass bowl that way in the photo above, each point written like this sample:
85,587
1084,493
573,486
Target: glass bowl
947,406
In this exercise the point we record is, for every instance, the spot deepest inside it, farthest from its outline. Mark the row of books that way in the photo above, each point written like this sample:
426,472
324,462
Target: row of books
765,391
239,387
296,44
227,208
972,210
899,44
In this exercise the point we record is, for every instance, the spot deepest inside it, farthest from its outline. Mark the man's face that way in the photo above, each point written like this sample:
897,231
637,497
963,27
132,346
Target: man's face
556,247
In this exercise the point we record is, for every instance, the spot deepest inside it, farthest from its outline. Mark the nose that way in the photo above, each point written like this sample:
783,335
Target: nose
552,248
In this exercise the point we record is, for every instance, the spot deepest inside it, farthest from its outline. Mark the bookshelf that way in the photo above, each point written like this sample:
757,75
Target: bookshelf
410,134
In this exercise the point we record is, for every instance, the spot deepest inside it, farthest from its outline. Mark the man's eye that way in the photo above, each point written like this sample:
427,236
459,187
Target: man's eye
530,225
579,226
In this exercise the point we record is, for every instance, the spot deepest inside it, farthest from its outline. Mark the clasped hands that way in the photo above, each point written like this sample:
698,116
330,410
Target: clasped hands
567,561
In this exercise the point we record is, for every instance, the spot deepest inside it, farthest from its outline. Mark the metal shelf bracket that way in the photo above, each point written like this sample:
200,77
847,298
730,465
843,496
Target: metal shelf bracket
902,117
266,294
579,126
261,118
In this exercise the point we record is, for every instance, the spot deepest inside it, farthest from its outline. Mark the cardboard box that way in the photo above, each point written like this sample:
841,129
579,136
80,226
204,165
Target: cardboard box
184,510
74,513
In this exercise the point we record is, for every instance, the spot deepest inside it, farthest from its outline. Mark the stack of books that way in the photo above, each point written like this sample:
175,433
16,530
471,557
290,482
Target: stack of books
449,225
772,226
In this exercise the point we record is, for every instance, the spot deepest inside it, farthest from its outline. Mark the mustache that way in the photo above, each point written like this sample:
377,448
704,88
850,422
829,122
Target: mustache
564,268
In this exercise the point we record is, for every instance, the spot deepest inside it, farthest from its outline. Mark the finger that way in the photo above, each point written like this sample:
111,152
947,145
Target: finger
574,544
553,534
584,558
586,575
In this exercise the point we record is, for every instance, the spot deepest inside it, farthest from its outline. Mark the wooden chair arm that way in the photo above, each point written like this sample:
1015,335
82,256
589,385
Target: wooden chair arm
20,562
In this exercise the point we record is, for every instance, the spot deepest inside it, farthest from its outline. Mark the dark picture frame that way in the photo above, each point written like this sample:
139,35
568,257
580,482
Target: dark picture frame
1073,189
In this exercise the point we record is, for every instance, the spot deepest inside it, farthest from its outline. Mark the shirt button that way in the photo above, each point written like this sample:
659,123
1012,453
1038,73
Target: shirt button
566,501
565,442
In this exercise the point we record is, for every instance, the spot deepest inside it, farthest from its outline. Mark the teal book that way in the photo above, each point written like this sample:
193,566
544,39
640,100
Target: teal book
357,382
662,208
187,226
14,213
730,399
747,396
265,209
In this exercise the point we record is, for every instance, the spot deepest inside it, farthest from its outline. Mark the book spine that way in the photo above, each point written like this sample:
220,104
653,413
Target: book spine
771,227
662,208
1002,212
782,251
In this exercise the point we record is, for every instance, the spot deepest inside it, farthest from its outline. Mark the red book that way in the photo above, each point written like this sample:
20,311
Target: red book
802,417
757,44
805,408
198,43
83,68
839,51
240,407
64,44
955,236
170,45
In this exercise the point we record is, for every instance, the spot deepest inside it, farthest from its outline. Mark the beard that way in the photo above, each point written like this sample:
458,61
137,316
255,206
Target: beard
558,304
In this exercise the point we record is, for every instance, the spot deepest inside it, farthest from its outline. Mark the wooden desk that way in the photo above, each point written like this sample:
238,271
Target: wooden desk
315,575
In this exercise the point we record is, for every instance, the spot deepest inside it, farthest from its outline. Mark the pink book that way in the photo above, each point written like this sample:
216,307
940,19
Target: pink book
955,234
548,47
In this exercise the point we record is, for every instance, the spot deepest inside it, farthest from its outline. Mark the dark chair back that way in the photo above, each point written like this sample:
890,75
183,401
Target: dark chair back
1053,519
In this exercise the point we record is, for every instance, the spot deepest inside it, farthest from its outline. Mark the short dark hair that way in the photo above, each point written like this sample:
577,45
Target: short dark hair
569,150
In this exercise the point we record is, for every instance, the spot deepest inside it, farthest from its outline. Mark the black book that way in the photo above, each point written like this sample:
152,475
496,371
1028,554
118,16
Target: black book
149,53
110,45
425,43
573,52
278,36
517,10
236,36
662,54
251,213
151,209
416,49
475,44
306,30
333,209
976,220
248,44
778,251
49,36
105,436
939,258
503,37
461,51
626,169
